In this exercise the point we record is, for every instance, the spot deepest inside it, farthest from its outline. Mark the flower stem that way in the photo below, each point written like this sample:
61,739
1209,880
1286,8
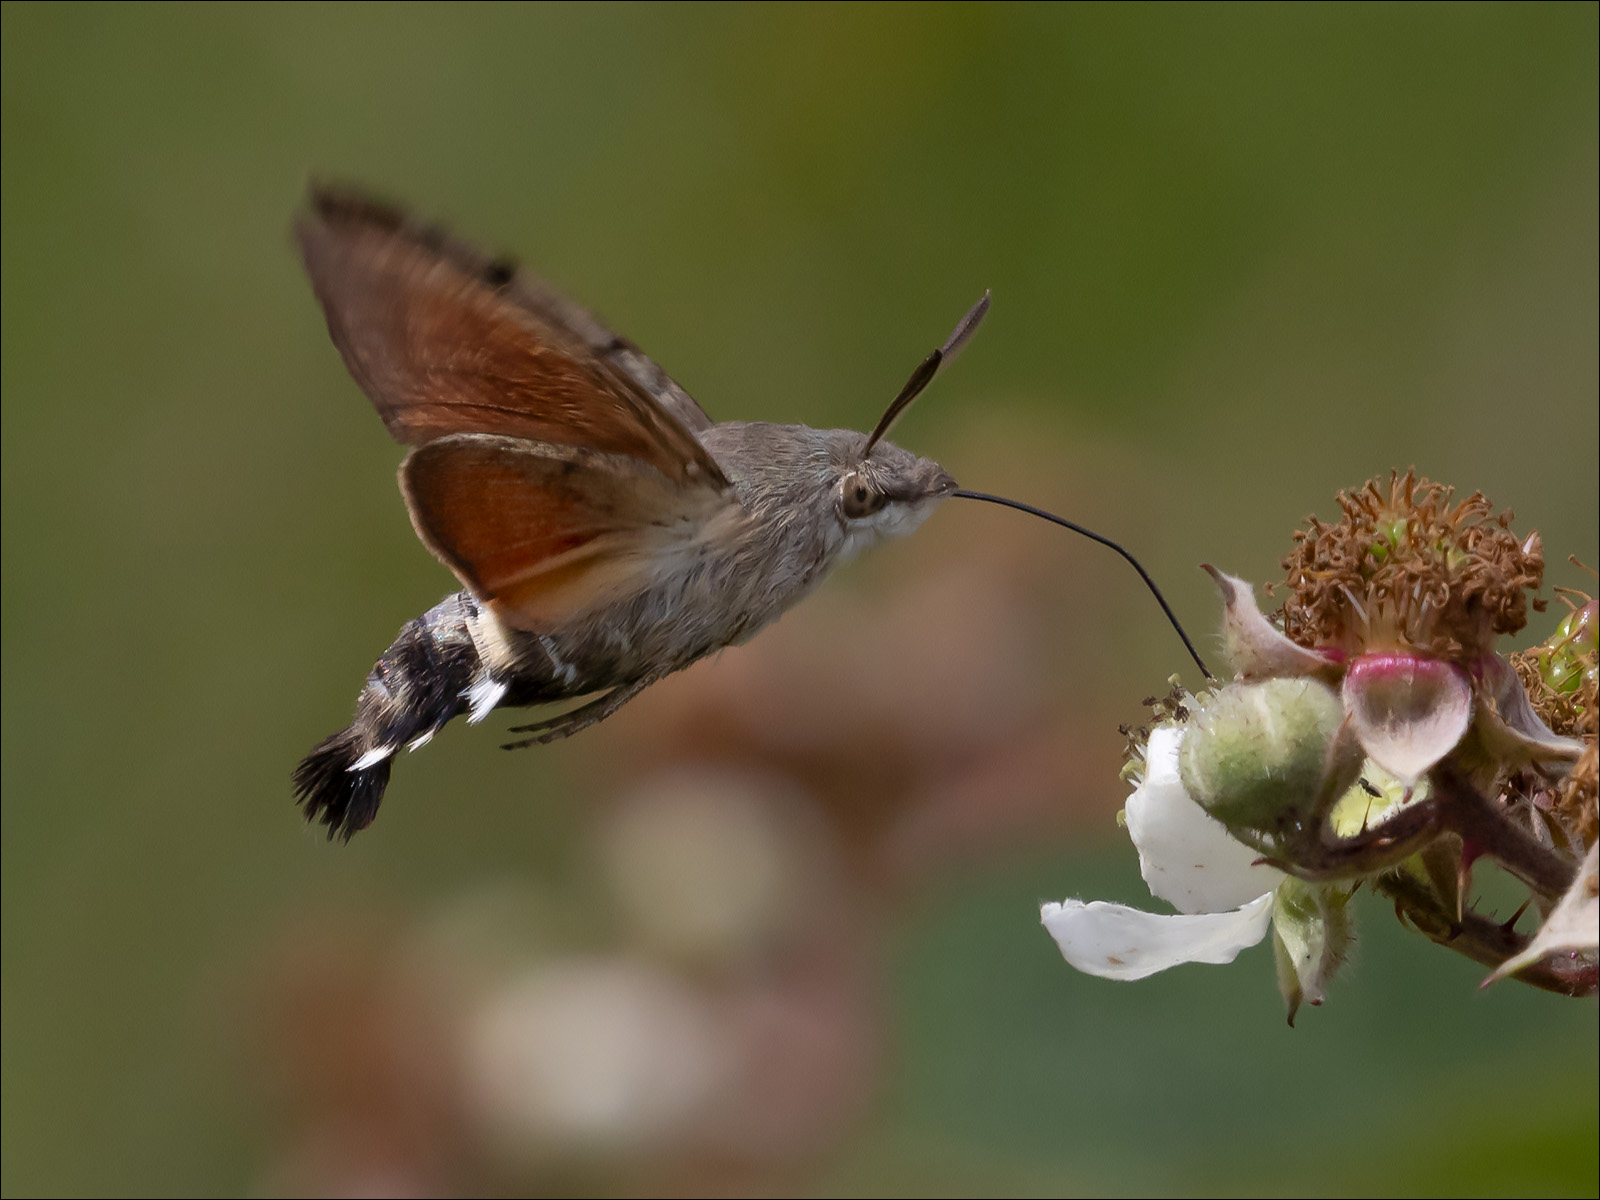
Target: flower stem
1466,811
1319,855
1455,806
1481,939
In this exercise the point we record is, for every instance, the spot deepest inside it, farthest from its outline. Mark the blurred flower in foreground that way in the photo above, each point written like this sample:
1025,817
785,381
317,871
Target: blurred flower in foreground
1375,737
702,1017
589,1058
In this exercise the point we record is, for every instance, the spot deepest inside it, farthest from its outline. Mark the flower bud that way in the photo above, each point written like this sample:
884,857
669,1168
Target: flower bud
1254,756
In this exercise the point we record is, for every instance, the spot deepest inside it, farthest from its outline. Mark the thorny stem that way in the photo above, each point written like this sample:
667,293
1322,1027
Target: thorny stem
1454,807
1319,855
1481,939
1466,812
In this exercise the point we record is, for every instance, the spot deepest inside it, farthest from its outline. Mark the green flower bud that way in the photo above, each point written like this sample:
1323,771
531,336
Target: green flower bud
1566,660
1254,756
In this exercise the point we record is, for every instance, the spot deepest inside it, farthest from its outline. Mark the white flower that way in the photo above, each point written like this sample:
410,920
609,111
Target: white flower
586,1059
1224,899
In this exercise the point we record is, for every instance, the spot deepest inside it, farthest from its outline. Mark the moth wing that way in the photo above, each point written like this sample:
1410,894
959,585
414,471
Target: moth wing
543,302
543,533
444,340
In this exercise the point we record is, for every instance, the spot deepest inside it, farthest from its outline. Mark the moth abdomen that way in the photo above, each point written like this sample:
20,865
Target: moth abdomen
430,674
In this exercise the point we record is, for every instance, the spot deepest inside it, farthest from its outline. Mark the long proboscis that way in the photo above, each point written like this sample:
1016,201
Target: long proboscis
1104,541
927,369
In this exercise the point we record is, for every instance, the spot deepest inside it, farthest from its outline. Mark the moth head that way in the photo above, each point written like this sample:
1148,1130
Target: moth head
887,490
890,492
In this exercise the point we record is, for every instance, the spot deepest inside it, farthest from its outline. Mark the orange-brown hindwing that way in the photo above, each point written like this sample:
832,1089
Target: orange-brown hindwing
542,533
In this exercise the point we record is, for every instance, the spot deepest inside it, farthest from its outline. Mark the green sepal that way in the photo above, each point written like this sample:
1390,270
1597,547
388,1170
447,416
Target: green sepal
1311,935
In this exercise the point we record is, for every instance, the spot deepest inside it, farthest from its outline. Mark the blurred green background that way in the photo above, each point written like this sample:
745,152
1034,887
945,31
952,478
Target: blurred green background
1241,256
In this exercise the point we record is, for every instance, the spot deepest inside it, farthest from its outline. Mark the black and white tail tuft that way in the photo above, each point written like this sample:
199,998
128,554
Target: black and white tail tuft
331,788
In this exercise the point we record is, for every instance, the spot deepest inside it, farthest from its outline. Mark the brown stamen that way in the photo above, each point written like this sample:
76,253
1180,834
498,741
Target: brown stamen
1408,567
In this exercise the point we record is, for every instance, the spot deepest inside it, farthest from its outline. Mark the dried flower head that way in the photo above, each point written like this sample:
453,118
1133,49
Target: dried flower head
1577,802
1408,569
1562,679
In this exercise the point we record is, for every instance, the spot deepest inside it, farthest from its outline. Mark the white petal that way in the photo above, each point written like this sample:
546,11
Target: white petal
1408,711
1187,856
1117,942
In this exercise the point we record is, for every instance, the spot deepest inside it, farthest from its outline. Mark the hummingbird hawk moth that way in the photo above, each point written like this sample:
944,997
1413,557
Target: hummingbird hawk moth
606,532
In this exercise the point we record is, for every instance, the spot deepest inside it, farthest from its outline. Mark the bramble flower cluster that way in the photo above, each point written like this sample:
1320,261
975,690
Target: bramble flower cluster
1372,735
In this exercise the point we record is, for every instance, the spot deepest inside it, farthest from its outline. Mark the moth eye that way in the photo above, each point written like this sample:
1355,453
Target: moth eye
858,500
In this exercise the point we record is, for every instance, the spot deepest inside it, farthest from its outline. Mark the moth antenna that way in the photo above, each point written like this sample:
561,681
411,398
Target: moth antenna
1104,541
928,368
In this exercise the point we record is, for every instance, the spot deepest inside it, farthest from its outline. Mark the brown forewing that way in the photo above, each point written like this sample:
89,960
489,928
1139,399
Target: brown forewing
444,341
542,532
